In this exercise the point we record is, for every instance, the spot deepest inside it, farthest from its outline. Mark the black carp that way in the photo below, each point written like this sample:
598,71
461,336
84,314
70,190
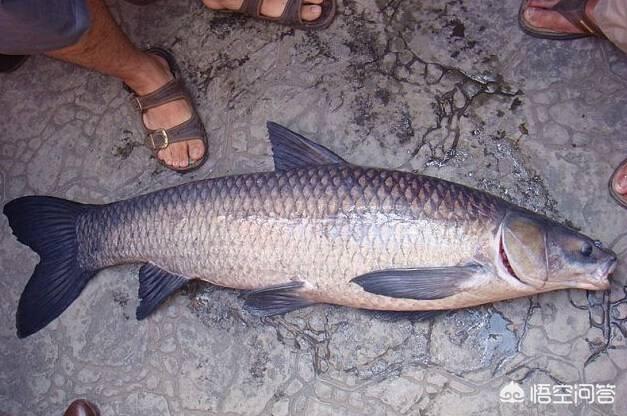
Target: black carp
316,230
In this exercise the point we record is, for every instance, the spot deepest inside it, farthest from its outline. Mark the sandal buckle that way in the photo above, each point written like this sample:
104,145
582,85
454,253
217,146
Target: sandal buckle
160,135
137,104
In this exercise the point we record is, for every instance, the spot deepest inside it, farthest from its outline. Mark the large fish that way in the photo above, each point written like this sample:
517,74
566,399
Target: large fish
316,230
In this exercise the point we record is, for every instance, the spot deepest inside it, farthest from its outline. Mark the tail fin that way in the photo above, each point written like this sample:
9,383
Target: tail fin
48,226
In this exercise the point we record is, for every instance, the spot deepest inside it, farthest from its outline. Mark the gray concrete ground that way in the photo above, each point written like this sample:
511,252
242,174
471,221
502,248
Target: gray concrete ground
451,89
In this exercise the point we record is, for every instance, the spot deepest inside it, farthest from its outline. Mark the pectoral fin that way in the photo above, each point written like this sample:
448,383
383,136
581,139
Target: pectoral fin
275,300
420,284
155,285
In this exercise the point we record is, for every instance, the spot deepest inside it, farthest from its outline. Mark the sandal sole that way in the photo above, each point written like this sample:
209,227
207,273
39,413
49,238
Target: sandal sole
543,33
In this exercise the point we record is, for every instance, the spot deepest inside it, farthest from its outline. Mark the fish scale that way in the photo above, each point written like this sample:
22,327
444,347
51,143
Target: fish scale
232,231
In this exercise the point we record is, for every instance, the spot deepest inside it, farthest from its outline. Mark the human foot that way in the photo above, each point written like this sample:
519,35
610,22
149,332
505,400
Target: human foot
155,74
313,14
618,184
81,407
559,19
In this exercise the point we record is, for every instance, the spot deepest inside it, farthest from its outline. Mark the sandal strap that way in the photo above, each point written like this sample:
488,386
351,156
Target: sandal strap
172,91
575,12
292,14
251,8
188,130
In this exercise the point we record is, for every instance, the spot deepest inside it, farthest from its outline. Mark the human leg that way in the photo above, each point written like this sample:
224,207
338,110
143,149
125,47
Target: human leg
106,49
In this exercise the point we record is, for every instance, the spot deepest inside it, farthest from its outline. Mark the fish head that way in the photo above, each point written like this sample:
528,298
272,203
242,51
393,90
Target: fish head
547,255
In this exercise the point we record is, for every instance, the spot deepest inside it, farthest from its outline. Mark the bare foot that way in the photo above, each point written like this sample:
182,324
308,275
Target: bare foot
271,8
538,14
620,181
156,74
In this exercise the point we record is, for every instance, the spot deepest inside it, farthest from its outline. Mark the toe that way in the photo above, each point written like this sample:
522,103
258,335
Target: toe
166,156
534,17
311,12
620,181
179,153
275,8
196,150
545,4
546,19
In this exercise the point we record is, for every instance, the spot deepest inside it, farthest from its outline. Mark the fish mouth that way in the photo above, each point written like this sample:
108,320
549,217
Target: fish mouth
602,281
604,278
611,266
602,285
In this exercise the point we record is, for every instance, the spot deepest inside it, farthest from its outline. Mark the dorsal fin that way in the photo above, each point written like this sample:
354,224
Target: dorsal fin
291,150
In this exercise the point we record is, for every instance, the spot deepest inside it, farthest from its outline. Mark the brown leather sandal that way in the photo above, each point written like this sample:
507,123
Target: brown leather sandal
192,129
291,14
573,10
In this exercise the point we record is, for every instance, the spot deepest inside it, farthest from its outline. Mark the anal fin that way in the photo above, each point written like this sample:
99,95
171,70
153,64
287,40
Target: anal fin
427,283
275,300
155,285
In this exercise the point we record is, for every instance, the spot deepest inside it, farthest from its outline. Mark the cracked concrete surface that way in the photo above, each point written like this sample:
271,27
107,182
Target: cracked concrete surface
450,89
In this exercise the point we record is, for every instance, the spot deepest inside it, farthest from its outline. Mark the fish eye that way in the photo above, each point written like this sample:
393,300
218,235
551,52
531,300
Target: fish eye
586,249
598,243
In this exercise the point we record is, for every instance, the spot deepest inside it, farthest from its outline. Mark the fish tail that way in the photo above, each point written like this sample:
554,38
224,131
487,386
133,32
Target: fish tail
48,226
